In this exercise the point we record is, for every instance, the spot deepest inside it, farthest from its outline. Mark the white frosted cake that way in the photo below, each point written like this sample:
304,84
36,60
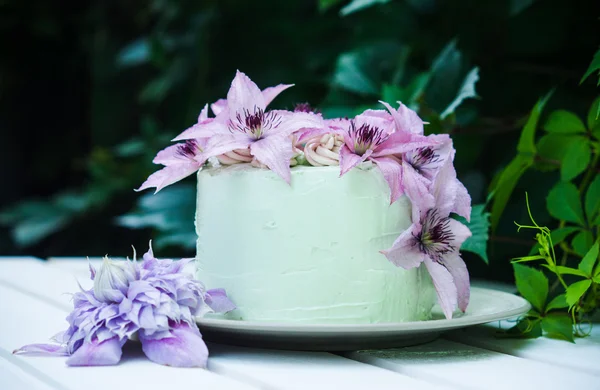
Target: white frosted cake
309,220
306,252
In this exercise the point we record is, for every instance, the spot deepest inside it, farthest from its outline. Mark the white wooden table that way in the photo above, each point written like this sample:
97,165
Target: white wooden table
34,302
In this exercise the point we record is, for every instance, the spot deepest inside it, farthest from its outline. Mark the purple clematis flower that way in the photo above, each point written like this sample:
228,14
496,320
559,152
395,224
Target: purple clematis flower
434,238
374,135
245,123
154,299
180,160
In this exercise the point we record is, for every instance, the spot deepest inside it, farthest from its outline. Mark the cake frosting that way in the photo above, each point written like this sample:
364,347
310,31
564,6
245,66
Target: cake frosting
307,252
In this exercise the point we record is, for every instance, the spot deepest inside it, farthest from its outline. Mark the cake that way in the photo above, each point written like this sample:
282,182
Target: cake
309,220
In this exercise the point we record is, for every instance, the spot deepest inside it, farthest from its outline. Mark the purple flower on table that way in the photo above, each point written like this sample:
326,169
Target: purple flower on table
434,238
374,135
154,299
246,124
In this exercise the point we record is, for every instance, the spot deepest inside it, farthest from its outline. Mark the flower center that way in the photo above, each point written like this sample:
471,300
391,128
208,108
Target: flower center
366,137
422,157
189,149
255,123
435,238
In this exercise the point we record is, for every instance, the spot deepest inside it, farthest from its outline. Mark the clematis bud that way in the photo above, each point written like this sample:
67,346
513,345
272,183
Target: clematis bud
324,150
112,280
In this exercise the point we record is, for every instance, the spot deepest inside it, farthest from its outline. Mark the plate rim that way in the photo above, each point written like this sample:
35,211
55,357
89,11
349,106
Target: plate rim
521,306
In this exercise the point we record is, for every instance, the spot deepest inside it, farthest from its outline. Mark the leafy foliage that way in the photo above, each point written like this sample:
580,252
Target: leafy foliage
576,208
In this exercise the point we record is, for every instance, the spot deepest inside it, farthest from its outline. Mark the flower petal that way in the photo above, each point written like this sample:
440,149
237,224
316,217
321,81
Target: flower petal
271,93
183,347
218,301
169,175
244,95
203,116
349,160
392,172
220,144
400,142
275,152
42,350
294,121
405,119
416,188
462,204
459,233
206,129
218,106
445,189
444,286
405,252
457,268
94,353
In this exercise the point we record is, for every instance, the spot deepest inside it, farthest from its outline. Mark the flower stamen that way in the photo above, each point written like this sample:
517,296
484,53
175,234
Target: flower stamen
255,123
366,137
435,238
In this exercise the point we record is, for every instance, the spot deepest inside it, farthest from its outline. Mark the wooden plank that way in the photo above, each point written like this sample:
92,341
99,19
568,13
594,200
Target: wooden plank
583,356
293,370
30,320
13,377
261,368
474,368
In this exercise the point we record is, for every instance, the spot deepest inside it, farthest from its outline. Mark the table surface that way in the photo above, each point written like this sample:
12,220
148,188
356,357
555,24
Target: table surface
34,302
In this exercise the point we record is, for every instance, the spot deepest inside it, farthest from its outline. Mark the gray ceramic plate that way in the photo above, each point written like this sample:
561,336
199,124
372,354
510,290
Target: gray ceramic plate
485,306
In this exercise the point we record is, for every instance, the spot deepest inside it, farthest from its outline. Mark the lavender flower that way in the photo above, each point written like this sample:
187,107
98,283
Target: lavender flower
154,299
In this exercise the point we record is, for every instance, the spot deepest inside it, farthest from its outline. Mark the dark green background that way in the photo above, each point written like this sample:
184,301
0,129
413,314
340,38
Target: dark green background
90,91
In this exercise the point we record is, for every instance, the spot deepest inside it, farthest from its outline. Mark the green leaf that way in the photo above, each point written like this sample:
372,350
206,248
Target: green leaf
576,291
168,212
135,53
558,325
564,122
561,269
582,242
557,235
357,5
362,70
467,91
350,76
552,147
526,327
532,284
593,116
447,76
559,302
594,66
587,263
479,226
592,200
324,5
527,140
563,203
506,183
576,159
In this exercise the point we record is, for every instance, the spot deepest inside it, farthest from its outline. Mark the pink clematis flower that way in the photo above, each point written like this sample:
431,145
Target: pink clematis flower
435,239
245,123
180,160
374,135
